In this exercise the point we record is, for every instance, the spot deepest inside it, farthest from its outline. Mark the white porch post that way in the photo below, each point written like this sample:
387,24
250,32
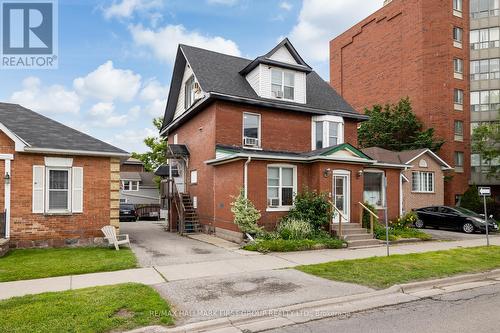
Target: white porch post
7,163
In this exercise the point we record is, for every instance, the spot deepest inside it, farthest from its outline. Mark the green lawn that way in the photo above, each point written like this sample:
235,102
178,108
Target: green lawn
98,309
40,263
290,245
383,272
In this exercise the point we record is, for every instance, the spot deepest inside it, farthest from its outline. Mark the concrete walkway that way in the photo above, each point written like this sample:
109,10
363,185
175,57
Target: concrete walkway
232,264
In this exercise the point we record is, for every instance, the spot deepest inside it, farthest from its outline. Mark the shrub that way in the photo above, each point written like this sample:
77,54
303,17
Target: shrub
473,201
312,207
283,245
366,215
295,229
406,221
245,215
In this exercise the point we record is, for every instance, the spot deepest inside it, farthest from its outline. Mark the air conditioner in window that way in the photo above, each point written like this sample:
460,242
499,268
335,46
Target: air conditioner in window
251,142
275,202
278,94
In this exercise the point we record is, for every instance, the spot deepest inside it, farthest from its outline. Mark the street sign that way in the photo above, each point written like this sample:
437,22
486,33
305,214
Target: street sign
485,191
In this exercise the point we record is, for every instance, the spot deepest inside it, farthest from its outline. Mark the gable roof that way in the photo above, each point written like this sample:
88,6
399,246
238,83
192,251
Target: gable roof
402,157
220,78
33,132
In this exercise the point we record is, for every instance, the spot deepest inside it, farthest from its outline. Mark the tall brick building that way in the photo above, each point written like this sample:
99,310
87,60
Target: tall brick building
419,49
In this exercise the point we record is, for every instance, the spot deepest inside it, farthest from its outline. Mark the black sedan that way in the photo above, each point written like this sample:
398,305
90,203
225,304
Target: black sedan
457,218
128,213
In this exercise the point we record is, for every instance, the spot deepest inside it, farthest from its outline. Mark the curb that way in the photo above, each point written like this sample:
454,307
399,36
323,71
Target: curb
263,322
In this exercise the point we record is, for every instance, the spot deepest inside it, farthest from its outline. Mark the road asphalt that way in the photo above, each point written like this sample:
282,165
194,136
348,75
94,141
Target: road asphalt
473,310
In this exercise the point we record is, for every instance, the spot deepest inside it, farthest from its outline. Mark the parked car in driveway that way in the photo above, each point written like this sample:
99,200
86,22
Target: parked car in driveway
457,218
128,213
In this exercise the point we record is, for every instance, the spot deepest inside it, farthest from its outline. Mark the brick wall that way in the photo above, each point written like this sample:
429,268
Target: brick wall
38,230
406,49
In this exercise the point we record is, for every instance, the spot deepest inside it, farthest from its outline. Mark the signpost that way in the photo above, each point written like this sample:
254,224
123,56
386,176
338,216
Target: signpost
384,180
485,192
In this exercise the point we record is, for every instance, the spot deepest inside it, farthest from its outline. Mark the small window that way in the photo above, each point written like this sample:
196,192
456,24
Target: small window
458,66
458,34
251,130
194,176
422,182
459,161
280,186
459,97
457,5
282,84
189,92
459,130
130,185
58,193
327,134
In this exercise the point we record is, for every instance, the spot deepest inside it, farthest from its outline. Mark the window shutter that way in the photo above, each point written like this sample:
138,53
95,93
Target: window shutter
77,190
38,189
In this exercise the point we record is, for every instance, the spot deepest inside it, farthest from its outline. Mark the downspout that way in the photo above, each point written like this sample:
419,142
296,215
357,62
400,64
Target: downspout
245,176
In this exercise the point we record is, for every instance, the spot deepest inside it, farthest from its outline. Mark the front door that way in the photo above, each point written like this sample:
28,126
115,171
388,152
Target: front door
341,196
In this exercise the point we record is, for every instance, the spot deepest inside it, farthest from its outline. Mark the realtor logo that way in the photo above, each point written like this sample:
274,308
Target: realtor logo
29,34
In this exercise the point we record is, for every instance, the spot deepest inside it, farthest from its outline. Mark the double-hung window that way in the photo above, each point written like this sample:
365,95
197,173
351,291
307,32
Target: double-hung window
459,130
457,8
251,130
458,97
459,161
327,133
281,186
189,92
458,68
458,35
58,189
422,182
282,84
130,185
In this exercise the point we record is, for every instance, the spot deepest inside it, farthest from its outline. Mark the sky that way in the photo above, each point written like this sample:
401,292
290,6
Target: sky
116,56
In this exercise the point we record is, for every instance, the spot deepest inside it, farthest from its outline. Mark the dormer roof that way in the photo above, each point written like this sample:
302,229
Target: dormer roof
266,59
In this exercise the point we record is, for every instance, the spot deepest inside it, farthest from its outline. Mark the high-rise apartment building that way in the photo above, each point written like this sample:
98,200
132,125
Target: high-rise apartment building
484,78
417,49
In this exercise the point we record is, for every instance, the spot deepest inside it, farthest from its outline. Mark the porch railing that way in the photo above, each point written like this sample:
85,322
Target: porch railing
341,216
176,198
3,224
371,214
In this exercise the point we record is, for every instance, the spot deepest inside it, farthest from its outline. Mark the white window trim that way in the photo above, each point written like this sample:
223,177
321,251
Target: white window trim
382,197
325,119
47,186
193,180
420,173
283,71
280,166
131,181
259,131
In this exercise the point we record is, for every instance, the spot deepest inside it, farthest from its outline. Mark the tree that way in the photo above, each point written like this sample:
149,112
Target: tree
245,214
157,149
486,142
396,127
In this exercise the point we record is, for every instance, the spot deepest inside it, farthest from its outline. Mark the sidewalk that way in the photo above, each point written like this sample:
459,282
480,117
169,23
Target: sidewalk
243,264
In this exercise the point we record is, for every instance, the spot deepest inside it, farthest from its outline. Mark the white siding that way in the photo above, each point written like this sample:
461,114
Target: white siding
180,101
253,79
300,84
283,55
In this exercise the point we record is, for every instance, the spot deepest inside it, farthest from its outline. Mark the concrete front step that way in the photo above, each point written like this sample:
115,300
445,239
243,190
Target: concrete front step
364,242
360,236
346,226
347,232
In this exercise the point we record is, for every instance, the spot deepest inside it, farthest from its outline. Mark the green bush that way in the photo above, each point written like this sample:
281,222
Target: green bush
293,229
246,215
406,221
396,234
366,215
283,245
312,207
473,201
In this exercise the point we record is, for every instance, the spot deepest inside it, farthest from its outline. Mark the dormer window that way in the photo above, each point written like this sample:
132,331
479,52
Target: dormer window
189,92
282,84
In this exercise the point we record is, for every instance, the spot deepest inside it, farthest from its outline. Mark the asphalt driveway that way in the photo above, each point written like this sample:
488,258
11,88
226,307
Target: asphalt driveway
452,235
153,246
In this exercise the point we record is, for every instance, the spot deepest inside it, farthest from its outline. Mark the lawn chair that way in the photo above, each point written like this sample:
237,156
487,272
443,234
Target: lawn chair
114,239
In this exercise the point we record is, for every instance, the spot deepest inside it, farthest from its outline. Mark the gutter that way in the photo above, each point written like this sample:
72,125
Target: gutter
73,152
245,175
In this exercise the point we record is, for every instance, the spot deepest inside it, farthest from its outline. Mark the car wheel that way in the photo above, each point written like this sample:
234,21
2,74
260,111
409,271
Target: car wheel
419,224
468,228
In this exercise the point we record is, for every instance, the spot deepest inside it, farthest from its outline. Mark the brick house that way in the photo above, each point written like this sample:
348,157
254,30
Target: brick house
417,49
270,126
60,186
422,181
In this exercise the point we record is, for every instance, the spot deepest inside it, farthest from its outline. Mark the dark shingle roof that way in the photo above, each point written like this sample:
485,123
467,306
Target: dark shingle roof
219,73
394,157
41,132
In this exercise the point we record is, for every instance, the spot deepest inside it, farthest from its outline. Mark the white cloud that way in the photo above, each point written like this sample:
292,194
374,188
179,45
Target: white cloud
51,99
108,83
286,5
322,20
164,41
223,2
153,90
156,108
127,8
133,139
103,115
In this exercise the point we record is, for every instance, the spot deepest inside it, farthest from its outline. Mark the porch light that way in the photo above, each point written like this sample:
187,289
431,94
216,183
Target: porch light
7,178
360,173
327,172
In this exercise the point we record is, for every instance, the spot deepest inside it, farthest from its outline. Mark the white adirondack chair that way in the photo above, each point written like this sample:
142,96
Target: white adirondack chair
114,239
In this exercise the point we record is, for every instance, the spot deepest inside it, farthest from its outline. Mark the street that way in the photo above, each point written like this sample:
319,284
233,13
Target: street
472,310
